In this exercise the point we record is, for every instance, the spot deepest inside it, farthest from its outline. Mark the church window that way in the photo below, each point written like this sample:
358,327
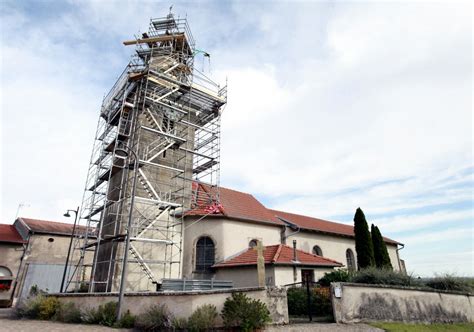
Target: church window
253,243
317,250
205,252
350,259
5,271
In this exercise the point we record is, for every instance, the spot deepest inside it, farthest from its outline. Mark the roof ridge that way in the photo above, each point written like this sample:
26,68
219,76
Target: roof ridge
303,215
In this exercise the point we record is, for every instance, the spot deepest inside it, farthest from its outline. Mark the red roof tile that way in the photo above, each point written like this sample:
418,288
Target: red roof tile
277,254
50,227
320,224
240,205
233,204
8,233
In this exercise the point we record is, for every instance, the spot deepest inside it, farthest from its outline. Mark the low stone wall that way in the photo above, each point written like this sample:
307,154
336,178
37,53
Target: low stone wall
182,304
364,303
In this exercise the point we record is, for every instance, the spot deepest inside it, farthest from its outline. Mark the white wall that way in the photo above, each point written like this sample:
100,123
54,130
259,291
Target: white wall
365,303
230,238
183,304
275,275
238,234
334,247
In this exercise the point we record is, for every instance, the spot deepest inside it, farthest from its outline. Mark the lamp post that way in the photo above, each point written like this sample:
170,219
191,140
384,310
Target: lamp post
67,215
123,153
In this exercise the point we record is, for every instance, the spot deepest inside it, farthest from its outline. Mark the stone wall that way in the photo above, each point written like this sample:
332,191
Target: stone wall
182,304
363,303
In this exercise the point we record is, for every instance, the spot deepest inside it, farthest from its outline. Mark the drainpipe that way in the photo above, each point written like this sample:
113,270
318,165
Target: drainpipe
292,226
295,258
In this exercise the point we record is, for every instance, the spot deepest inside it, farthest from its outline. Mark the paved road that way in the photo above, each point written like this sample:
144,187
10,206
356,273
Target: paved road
24,325
323,327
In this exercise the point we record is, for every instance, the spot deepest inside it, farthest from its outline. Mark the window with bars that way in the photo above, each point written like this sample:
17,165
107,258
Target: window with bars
350,259
205,253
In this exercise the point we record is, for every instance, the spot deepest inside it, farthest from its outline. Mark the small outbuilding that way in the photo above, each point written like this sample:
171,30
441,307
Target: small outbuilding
283,265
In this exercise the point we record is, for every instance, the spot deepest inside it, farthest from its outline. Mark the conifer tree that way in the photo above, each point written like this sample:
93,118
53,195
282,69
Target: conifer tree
363,241
382,259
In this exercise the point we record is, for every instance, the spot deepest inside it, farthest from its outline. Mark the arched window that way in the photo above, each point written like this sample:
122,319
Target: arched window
204,254
350,259
253,243
317,250
5,271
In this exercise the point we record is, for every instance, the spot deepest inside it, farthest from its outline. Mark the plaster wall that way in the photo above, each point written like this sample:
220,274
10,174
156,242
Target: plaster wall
334,247
394,259
40,250
230,238
182,304
238,234
285,275
275,275
193,230
364,303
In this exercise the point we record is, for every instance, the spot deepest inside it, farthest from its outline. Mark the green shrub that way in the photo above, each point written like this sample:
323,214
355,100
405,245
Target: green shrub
156,318
68,313
48,307
298,302
105,314
179,323
30,308
127,321
38,307
384,277
450,283
341,275
241,311
203,318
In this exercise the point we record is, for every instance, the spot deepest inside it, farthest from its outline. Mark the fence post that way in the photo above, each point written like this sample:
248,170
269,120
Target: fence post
308,293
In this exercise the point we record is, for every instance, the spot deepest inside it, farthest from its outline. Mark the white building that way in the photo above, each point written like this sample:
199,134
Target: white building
217,246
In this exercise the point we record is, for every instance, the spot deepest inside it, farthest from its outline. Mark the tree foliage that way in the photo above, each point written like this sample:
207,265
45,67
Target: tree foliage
363,241
382,259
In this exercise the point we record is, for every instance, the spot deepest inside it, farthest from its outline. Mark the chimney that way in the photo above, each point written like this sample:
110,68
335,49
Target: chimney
295,258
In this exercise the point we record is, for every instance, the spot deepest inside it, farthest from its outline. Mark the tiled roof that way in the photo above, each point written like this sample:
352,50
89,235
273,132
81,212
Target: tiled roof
233,204
240,205
50,227
278,254
8,233
320,224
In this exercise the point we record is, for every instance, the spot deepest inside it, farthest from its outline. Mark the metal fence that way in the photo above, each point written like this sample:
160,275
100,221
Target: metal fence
183,285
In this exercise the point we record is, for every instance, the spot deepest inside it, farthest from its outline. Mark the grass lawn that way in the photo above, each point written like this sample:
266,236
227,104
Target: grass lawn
405,327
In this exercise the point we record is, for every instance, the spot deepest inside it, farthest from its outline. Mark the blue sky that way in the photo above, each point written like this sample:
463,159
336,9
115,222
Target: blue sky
332,106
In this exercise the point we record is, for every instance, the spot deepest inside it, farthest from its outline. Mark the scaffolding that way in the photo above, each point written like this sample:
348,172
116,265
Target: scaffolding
159,127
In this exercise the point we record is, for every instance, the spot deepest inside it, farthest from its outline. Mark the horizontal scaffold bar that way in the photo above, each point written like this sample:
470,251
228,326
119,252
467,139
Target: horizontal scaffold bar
182,140
139,239
161,166
160,38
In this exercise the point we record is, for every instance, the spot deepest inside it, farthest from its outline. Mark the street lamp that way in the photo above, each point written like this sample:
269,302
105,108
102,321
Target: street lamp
123,153
70,245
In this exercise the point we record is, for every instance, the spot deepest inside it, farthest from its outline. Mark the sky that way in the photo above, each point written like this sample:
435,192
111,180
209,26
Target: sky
331,106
